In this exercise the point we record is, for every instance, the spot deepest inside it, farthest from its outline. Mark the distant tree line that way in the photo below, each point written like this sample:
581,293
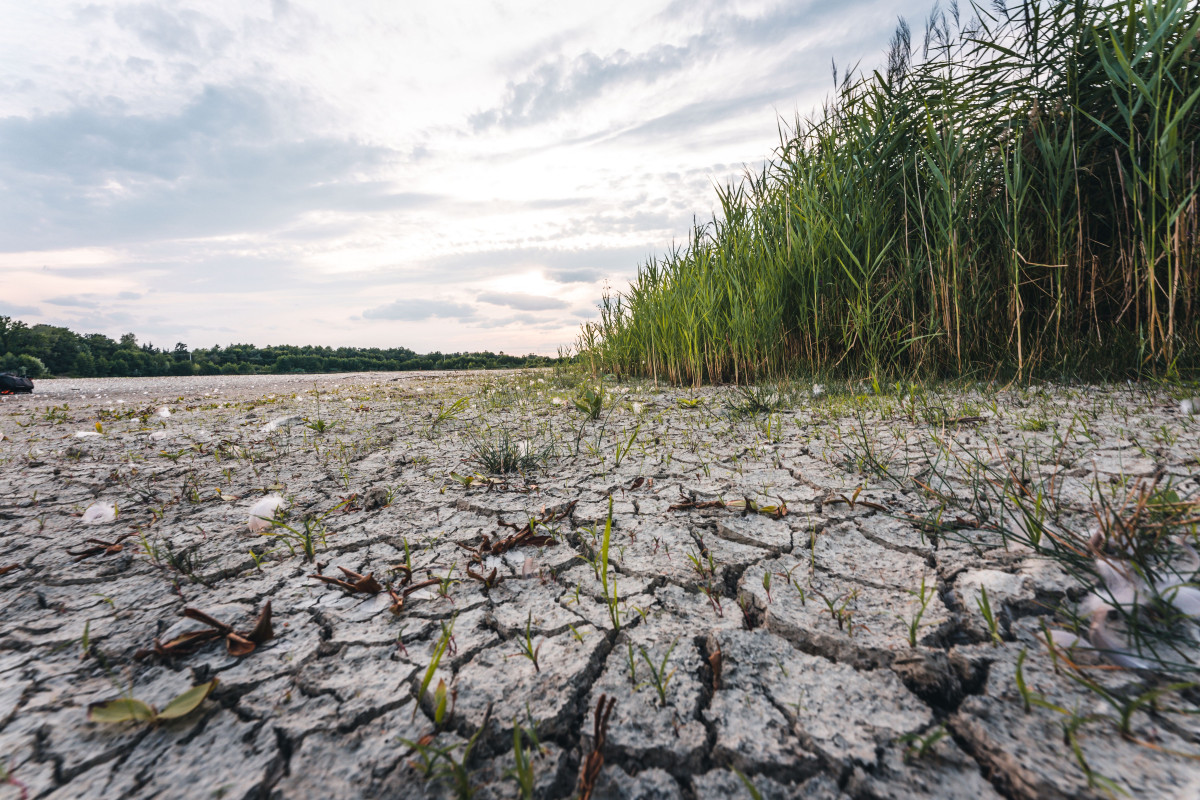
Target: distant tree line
41,350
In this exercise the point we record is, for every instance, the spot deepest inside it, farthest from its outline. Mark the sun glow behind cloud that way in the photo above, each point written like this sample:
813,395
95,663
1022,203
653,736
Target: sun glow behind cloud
448,178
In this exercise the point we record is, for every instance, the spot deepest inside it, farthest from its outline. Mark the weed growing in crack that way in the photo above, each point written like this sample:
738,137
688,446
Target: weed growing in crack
590,401
1127,704
438,651
921,745
1095,780
525,747
306,539
500,453
438,765
751,789
714,598
993,623
865,456
445,413
318,425
923,597
526,643
702,563
186,562
623,447
1138,554
658,674
611,595
840,611
795,583
748,401
445,583
1029,698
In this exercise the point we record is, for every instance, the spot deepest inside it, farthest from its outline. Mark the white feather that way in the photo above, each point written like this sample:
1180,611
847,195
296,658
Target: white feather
1115,648
99,513
263,511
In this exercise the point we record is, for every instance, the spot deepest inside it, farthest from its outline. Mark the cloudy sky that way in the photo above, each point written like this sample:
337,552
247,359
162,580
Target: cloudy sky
450,175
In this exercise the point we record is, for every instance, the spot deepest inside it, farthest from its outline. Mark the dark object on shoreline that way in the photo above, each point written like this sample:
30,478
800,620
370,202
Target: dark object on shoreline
12,383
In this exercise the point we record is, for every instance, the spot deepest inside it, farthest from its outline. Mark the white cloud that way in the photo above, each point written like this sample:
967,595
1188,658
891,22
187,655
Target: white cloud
379,173
521,301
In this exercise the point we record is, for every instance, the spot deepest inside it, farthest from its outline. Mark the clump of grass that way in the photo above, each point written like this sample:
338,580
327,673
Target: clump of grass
1018,190
753,400
499,452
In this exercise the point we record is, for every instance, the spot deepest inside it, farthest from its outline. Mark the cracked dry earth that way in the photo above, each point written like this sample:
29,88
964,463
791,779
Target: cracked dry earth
790,647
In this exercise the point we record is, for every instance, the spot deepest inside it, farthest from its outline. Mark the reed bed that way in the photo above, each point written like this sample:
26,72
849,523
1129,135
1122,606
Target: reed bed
1016,193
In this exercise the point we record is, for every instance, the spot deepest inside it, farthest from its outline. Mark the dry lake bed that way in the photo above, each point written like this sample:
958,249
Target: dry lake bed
845,592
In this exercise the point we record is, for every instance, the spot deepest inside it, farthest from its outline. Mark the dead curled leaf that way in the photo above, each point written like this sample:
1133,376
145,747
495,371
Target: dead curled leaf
99,547
524,536
490,580
356,583
236,643
747,505
398,598
690,503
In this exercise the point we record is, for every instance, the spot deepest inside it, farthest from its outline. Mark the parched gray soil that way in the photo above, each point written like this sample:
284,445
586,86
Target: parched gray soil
791,605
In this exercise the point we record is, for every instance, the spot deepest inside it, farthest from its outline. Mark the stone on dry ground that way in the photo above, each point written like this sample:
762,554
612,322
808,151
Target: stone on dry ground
829,646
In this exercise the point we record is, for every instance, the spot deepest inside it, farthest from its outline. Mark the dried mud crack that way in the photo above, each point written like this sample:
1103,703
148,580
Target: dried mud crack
792,601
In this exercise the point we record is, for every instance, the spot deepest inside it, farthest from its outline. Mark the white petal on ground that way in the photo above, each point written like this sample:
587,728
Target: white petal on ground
1185,599
99,513
263,511
281,422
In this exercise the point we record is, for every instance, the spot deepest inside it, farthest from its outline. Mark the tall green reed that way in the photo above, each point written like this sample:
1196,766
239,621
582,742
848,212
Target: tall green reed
1019,196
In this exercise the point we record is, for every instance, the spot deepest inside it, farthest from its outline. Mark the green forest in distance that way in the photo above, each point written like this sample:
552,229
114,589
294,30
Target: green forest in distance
41,350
